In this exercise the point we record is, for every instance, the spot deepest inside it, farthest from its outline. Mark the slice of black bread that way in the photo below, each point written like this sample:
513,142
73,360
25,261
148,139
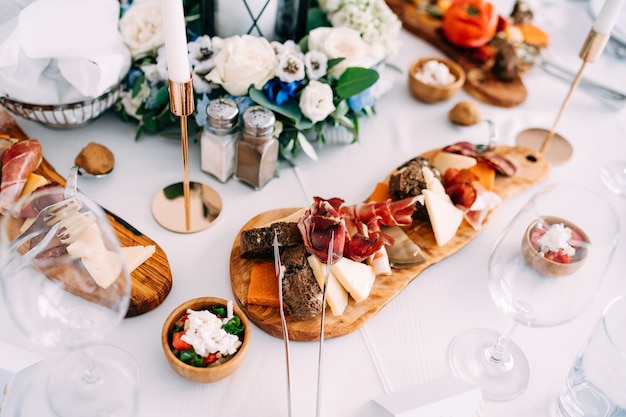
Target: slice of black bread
258,242
302,295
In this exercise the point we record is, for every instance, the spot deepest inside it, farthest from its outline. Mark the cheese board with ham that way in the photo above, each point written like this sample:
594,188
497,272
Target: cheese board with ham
481,82
151,277
530,169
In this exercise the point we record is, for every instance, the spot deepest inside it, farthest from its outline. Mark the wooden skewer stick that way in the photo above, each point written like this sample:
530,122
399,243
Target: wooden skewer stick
591,50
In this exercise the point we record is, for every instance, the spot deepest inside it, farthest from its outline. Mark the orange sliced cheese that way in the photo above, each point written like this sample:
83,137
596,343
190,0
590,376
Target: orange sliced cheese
33,182
263,288
486,174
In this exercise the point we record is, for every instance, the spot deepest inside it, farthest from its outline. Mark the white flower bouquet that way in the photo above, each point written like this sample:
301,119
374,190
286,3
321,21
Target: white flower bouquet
328,78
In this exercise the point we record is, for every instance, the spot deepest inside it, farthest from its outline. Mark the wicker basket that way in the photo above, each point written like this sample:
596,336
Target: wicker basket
64,116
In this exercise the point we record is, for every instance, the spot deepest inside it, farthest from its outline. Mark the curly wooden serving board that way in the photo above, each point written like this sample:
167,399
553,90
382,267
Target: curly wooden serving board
479,82
532,168
152,280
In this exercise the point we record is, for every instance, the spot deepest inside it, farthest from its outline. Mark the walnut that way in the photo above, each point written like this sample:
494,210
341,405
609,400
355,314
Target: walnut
465,113
95,159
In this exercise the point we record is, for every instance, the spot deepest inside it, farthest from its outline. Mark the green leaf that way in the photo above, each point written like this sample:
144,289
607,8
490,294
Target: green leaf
355,80
316,18
162,97
290,109
306,146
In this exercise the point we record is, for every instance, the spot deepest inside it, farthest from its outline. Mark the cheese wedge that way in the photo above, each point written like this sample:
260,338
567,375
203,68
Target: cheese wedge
104,267
136,255
33,182
444,160
445,218
336,294
356,277
433,184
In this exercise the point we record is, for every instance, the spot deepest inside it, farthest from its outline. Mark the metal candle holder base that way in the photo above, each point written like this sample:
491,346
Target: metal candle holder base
199,204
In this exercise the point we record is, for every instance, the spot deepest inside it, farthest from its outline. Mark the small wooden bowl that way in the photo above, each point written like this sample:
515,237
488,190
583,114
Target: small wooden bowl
546,266
431,93
211,373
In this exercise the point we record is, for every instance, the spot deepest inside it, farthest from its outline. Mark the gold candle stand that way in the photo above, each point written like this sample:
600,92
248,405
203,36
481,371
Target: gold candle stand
200,204
560,149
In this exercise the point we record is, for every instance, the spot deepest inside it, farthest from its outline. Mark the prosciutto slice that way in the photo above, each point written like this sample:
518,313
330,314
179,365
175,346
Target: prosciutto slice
318,224
18,162
357,227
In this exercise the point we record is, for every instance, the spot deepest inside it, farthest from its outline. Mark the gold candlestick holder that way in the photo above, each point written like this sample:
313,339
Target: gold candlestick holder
553,146
187,206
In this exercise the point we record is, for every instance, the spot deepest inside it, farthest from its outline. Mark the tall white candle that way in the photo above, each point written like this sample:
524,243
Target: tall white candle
175,40
608,16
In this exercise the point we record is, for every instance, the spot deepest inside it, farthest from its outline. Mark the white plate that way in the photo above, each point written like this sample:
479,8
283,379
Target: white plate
619,31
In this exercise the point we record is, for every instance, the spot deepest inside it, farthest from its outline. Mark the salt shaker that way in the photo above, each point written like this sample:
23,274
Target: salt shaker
257,151
219,138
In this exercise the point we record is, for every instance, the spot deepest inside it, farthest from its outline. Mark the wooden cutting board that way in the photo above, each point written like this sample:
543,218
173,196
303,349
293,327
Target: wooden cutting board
151,281
479,82
532,168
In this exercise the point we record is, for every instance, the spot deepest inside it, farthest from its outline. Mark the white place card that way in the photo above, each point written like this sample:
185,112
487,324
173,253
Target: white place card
15,366
449,397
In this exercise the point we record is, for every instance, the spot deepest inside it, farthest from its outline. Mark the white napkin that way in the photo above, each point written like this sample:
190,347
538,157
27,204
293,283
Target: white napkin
62,51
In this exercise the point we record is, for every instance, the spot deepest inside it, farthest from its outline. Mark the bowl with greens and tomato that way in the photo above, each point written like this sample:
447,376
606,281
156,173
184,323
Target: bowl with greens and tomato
205,339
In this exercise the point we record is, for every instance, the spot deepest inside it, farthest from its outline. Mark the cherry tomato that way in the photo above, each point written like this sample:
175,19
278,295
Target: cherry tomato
211,358
179,344
470,23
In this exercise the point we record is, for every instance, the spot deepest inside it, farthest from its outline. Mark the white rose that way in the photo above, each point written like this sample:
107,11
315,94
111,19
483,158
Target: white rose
142,28
341,42
316,101
243,61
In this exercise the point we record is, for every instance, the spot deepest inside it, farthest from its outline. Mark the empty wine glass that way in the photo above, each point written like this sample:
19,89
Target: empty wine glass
613,175
67,287
536,284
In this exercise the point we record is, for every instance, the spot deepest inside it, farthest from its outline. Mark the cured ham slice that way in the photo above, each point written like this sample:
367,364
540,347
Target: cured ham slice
18,162
357,228
318,224
388,213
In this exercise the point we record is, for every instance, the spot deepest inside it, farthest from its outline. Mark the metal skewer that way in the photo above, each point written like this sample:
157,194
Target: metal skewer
279,275
329,263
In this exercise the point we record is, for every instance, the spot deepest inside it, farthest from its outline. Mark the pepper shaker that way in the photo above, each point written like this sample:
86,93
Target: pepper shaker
219,138
257,151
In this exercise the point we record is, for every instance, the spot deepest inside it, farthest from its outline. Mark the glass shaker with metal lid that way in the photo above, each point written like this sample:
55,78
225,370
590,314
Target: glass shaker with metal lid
219,138
257,151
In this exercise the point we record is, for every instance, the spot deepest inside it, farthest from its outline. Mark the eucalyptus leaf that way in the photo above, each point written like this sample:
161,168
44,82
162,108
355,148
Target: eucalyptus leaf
306,146
355,80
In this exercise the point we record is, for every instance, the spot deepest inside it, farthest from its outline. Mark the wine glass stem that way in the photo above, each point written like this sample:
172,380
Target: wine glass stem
498,354
90,375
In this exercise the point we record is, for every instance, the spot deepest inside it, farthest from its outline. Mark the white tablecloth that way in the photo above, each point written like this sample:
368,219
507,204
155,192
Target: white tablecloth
406,343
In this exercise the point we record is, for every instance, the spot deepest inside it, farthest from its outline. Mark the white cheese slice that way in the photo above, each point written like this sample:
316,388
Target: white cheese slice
444,160
136,255
336,294
356,277
433,184
104,267
88,243
445,218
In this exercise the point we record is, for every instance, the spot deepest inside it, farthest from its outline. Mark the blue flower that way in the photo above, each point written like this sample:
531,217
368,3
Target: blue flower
362,100
279,92
201,110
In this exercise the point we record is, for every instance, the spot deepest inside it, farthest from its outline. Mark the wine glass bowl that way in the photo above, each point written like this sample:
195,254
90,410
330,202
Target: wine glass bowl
66,286
535,291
